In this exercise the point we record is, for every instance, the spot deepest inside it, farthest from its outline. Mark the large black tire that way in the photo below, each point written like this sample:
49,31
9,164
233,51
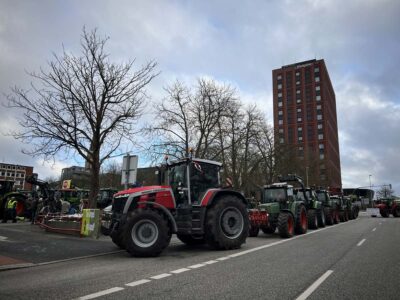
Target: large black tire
336,216
312,219
253,231
191,240
227,223
321,218
355,212
342,216
328,215
384,213
147,233
118,239
396,212
268,229
286,225
301,220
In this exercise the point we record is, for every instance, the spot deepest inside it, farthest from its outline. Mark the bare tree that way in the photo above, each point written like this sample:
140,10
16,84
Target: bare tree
385,192
83,104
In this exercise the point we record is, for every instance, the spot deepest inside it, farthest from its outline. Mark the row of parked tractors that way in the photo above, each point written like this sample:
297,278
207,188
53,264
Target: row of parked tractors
193,205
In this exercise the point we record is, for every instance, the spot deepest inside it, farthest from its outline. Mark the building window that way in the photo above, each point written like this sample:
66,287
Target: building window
279,77
280,130
279,104
297,82
280,113
298,100
297,92
280,122
319,107
299,128
297,73
281,140
318,98
319,126
316,69
299,110
319,117
321,146
322,177
320,136
300,138
279,86
279,94
316,79
321,156
298,119
317,88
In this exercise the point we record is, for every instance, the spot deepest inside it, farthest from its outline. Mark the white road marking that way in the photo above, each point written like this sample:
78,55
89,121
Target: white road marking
361,242
314,286
163,275
374,229
3,238
160,276
138,282
223,258
101,293
380,223
180,271
196,266
210,262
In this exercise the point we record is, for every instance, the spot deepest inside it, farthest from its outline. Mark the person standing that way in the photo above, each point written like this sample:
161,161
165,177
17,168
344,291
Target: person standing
11,210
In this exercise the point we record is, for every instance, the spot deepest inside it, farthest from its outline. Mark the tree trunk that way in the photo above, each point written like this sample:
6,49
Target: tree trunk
94,181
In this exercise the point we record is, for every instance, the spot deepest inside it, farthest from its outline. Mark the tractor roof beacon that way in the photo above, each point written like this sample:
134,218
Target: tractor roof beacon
192,204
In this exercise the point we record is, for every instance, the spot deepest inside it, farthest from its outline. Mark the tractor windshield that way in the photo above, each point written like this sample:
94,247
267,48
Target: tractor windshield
321,197
274,195
300,195
177,176
203,176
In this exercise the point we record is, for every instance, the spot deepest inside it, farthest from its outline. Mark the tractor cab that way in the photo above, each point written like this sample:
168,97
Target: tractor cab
276,196
191,178
323,196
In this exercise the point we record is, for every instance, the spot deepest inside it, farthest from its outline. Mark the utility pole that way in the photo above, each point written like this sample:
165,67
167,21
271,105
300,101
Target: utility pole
370,187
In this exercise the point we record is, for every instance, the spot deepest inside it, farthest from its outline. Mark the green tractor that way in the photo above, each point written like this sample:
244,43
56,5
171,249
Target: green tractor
315,211
279,208
344,207
331,206
387,206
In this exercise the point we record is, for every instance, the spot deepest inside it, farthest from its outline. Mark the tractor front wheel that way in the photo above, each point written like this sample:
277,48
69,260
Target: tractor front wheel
253,231
286,225
396,212
312,219
336,217
227,223
301,220
384,212
321,218
147,233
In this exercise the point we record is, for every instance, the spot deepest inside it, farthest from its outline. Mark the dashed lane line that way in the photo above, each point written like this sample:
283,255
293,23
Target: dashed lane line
314,286
163,275
361,242
373,229
138,282
101,293
196,266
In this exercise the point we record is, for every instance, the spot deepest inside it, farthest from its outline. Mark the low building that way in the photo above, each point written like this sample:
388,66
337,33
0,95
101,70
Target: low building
79,176
16,173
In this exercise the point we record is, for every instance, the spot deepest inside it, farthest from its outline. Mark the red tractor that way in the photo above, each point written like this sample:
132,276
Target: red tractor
193,205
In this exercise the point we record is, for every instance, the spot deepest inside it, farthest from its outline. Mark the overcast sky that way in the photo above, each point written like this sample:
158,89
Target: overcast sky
236,42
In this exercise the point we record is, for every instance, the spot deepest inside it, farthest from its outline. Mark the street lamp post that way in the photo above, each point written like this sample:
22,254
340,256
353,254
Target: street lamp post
370,187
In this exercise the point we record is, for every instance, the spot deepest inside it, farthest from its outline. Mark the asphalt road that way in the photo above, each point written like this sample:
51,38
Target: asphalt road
353,260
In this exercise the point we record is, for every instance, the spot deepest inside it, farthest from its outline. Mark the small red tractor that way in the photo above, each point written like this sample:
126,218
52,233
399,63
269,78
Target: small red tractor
387,206
193,205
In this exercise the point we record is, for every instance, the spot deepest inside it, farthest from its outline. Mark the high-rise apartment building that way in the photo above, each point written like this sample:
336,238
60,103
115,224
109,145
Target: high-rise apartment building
16,173
305,120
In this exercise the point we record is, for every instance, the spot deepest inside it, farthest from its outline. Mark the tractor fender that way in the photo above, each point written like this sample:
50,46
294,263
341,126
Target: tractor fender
164,210
212,194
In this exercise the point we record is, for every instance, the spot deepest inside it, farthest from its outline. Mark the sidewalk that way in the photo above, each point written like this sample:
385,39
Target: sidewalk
23,244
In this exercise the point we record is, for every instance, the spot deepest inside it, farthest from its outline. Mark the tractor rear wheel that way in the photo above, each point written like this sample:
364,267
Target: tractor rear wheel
312,219
321,218
253,231
329,215
356,210
269,229
147,233
191,240
227,223
301,220
286,225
